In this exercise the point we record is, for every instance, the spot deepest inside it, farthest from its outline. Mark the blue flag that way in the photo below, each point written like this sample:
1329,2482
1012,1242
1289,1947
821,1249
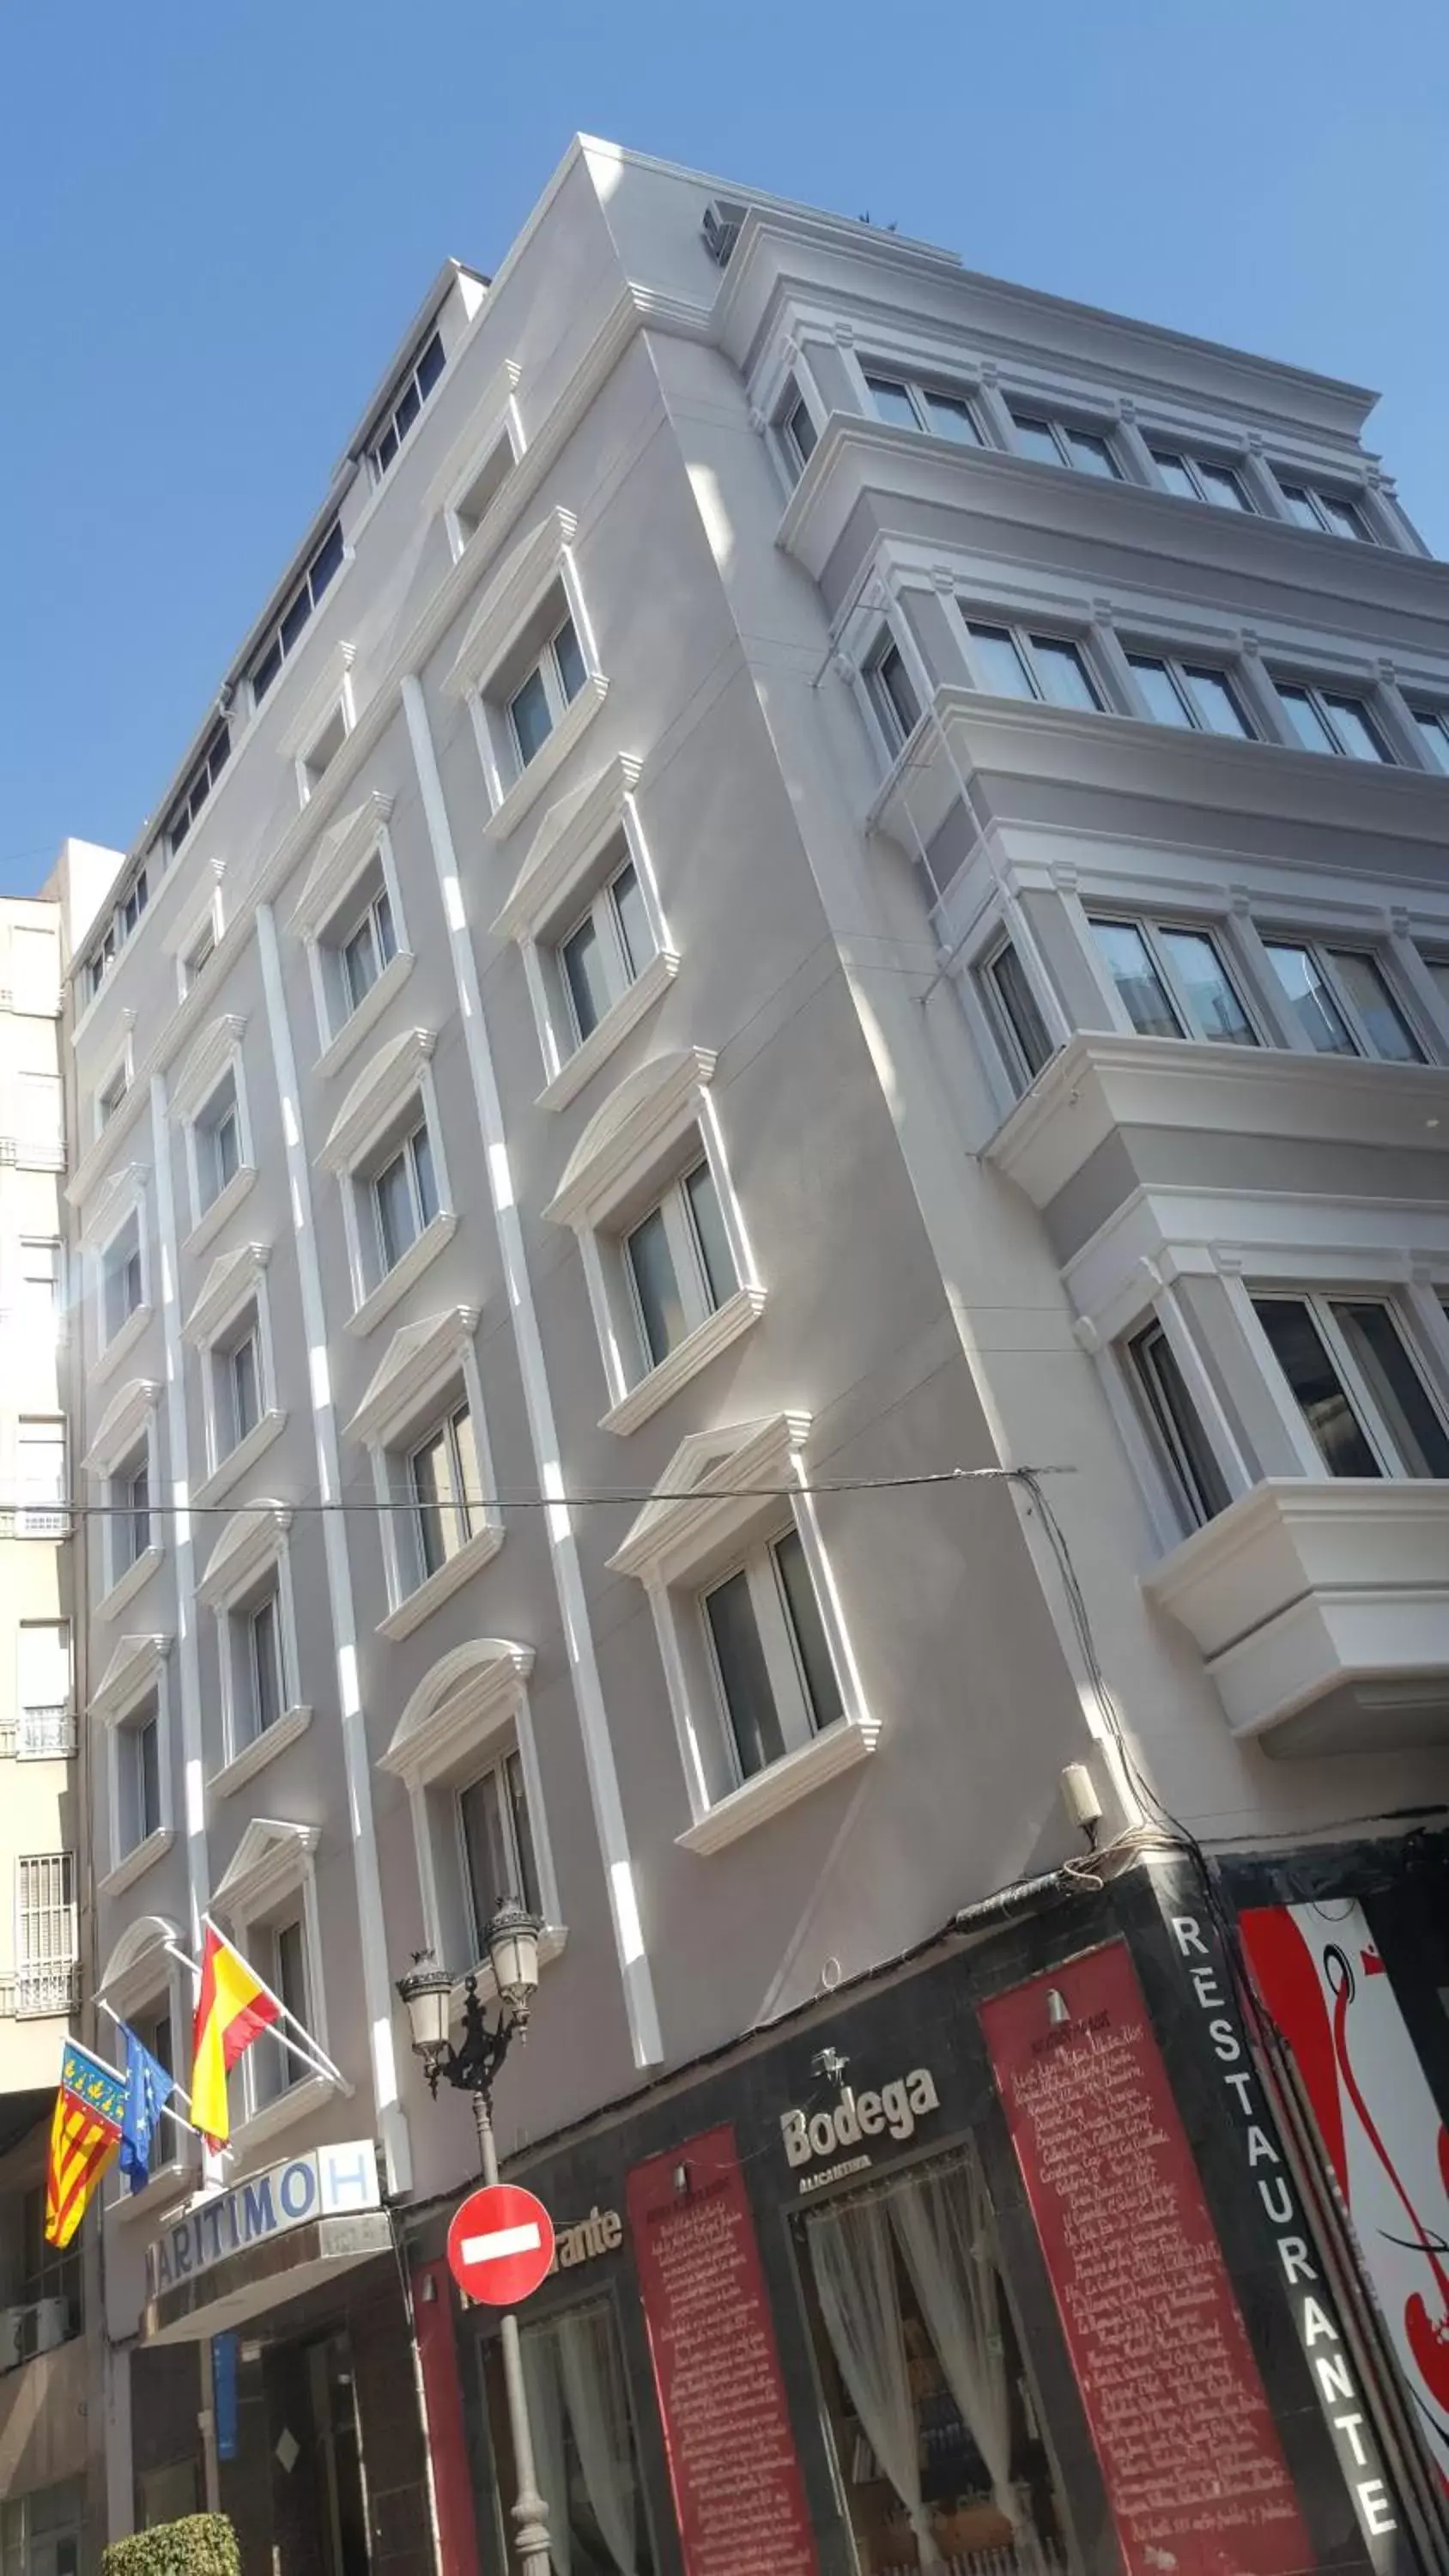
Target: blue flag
148,2090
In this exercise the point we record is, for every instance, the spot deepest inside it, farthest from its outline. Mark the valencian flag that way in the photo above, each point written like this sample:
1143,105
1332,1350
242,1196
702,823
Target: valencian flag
233,2008
84,2135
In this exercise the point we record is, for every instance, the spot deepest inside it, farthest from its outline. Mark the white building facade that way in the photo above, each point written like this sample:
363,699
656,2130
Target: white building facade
758,1155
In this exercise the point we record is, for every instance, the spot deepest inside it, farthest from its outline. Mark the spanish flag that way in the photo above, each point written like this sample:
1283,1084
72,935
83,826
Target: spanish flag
232,2009
84,2135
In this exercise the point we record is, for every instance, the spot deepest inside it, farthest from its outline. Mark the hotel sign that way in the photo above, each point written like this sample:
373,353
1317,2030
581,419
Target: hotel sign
326,2182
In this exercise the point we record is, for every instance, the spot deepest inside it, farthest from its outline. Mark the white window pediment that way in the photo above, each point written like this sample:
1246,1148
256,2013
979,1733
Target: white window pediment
564,847
315,708
456,1706
508,599
140,1961
469,450
251,1541
385,1083
134,1671
123,1423
124,1191
710,1487
231,1280
208,1061
344,853
652,1105
270,1859
417,1358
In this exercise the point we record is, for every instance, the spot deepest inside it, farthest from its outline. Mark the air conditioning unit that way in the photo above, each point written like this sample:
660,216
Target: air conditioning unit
12,2332
52,2323
723,217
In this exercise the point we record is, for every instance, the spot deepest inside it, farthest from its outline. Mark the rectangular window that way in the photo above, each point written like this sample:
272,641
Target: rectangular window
892,692
199,954
404,1196
1433,724
368,950
43,1670
141,1743
601,957
1190,695
130,1509
110,1096
496,1840
1197,478
45,1931
416,387
1012,1008
797,429
908,403
198,787
770,1657
549,689
1356,1385
679,1264
218,1143
237,1382
1329,512
1056,442
326,563
289,1977
1324,720
1012,664
1182,1445
39,1300
1340,999
265,1672
473,507
444,1483
40,1471
1172,982
121,1282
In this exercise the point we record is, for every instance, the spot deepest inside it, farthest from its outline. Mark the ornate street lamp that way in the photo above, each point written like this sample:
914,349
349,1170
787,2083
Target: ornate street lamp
512,1945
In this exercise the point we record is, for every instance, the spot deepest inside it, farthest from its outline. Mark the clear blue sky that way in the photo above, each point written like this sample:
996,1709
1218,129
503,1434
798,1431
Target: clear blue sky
214,224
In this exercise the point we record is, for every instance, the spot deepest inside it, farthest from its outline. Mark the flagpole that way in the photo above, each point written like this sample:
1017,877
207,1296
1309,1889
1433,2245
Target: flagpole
311,2056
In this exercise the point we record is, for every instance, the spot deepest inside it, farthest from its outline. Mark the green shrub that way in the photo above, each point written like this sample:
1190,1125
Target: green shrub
201,2544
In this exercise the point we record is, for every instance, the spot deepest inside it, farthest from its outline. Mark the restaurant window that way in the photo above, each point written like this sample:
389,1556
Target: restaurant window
585,2451
931,2414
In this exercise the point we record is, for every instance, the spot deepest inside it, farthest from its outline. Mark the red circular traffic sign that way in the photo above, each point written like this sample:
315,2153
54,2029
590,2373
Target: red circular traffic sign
500,2245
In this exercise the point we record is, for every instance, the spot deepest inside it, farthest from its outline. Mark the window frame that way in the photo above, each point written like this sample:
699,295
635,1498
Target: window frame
135,1689
327,559
1024,643
533,594
426,1370
793,404
52,1970
1321,948
919,388
409,383
250,1566
496,1769
1150,928
890,723
1061,424
1194,465
1289,479
325,920
984,985
392,1102
1180,673
796,1716
1319,1301
1168,1439
504,431
1430,716
271,1880
1321,695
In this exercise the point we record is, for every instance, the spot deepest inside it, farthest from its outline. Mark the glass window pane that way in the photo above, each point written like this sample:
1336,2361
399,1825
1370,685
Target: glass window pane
1217,1013
246,1404
527,1870
393,1200
359,962
266,1665
1314,1007
709,1234
1175,474
1298,1349
1062,673
1018,1002
1164,699
586,974
433,1495
424,1175
661,1307
951,418
1221,487
998,664
1341,516
1307,723
327,559
893,681
1034,438
1434,732
1091,454
430,366
1214,703
468,1488
569,659
892,401
636,937
148,1778
228,1148
1388,1033
1395,1385
1356,735
1299,505
487,1856
1439,969
801,427
1174,1417
744,1676
382,922
532,723
1136,978
822,1691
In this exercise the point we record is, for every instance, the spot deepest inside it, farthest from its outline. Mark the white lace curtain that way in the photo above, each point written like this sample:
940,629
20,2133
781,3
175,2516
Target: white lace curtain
572,2373
545,2420
942,2223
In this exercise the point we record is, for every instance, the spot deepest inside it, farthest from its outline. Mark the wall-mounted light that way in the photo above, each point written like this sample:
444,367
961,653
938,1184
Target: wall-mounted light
1058,2009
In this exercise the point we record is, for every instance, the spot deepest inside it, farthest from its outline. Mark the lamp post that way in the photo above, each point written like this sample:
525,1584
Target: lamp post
512,1944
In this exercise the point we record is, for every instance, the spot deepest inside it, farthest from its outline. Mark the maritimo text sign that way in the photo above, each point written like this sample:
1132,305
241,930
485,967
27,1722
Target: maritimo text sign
500,2245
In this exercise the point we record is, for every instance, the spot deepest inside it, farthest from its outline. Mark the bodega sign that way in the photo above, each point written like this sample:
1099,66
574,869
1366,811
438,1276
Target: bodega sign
823,2139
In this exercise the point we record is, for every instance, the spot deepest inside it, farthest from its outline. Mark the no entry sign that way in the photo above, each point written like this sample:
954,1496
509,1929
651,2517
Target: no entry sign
500,2245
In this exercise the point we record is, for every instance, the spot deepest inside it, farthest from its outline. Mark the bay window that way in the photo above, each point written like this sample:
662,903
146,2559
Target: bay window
1171,980
1341,1002
1014,1013
1200,478
1061,442
1183,1451
1010,663
1322,719
1191,695
1363,1398
911,403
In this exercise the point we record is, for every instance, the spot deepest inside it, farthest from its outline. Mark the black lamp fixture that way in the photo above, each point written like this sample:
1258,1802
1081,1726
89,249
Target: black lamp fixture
511,1941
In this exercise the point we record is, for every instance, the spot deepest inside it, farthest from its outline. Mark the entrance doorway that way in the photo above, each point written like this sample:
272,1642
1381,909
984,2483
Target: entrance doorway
343,2545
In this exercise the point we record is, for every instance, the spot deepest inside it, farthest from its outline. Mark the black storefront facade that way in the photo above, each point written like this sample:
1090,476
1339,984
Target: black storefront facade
869,2292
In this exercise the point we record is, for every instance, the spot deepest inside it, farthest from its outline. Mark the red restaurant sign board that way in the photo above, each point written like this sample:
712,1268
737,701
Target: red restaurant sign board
738,2496
1195,2475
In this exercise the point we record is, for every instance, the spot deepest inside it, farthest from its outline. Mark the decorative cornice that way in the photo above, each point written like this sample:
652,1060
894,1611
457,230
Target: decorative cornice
134,1671
471,447
311,714
270,1858
206,1064
252,1540
415,1359
122,1424
508,599
381,1088
658,1096
673,1533
232,1278
567,840
345,851
124,1190
462,1699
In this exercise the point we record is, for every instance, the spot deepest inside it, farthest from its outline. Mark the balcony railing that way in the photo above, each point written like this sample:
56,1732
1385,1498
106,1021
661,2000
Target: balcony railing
39,1994
44,1734
36,1520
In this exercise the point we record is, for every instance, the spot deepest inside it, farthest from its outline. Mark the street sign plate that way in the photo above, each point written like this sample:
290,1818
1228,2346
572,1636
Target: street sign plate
500,2245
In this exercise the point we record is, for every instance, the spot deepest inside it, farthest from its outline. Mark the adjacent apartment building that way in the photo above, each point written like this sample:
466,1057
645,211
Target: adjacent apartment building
759,1158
